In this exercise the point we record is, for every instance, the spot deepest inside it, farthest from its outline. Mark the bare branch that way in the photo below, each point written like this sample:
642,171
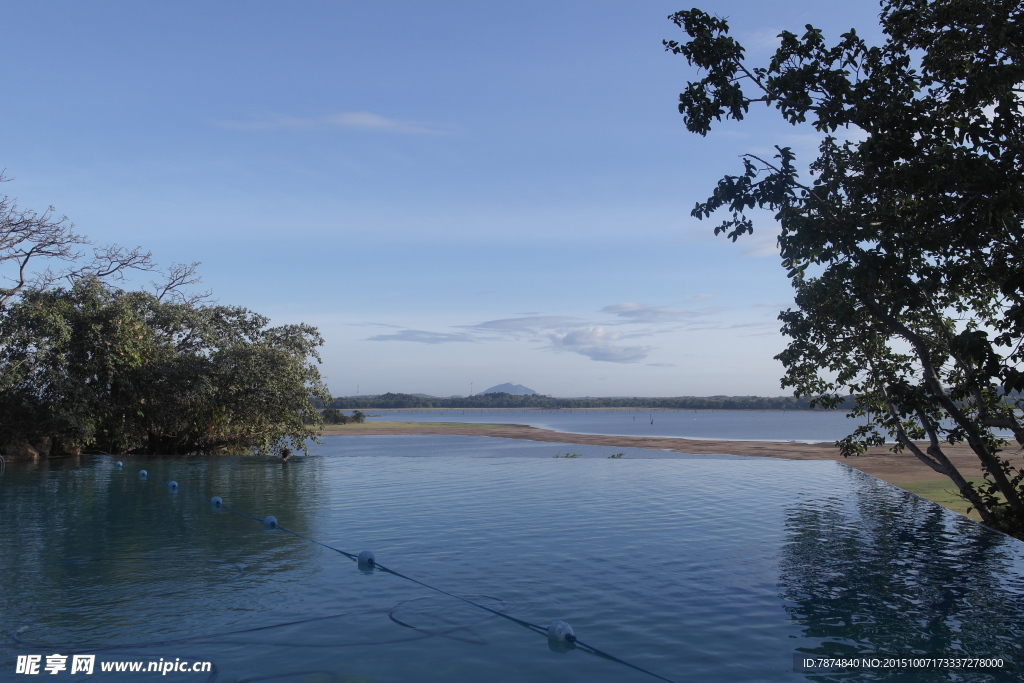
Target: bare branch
177,278
27,237
30,243
113,260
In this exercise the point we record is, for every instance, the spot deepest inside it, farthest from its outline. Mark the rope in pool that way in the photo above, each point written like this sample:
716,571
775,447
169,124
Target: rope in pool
559,632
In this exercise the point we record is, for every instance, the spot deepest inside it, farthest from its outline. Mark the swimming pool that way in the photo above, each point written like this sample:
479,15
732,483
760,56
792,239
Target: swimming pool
711,568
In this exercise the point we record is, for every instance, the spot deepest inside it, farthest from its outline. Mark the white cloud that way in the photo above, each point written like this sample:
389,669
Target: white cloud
761,41
596,344
611,340
423,337
532,324
763,242
639,313
761,249
353,120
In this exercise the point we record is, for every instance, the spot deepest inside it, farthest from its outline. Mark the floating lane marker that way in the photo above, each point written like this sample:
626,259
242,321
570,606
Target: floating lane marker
559,633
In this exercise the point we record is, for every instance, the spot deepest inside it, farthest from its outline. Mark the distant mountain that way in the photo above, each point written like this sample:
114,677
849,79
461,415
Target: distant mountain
514,389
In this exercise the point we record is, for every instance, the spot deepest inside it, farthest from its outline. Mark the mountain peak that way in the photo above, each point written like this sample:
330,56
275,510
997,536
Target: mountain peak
508,388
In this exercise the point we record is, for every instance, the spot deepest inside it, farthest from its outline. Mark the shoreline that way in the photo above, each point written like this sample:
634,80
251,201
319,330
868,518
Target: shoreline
878,462
900,469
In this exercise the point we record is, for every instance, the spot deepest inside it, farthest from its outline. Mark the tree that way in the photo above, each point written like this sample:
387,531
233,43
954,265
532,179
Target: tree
29,240
333,416
87,365
904,242
96,368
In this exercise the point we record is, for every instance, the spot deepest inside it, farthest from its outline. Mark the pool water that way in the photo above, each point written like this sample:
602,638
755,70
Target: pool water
694,568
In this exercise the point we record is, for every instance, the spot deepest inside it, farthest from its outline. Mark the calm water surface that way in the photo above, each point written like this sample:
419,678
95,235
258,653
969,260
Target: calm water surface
696,568
735,425
809,426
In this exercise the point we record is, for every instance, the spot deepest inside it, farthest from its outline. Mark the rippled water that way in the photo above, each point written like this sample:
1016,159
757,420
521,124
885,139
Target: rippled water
710,568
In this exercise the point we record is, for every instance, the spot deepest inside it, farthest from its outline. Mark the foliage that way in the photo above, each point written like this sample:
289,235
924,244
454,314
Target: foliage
96,368
904,246
333,416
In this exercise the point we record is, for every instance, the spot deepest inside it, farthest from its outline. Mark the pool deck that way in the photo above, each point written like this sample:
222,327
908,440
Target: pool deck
901,469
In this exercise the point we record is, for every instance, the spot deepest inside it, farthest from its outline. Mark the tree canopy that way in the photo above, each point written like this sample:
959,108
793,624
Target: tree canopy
88,366
903,236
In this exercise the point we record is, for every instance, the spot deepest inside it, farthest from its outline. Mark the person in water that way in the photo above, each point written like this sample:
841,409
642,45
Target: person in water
285,454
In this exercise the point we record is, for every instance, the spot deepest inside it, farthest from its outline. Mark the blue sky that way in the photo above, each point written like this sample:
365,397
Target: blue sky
454,193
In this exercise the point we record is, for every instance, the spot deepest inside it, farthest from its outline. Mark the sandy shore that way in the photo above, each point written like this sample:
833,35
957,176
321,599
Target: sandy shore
902,469
878,462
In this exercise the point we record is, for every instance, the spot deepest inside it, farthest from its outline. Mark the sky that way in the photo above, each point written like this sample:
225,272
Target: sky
457,194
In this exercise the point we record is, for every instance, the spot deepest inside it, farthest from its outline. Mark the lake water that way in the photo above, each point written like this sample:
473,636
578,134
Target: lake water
808,426
734,425
710,568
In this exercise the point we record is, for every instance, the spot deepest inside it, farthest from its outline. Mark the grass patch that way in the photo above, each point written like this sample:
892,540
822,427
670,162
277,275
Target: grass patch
943,492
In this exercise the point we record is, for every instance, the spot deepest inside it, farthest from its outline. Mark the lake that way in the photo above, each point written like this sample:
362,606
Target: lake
807,426
734,425
689,567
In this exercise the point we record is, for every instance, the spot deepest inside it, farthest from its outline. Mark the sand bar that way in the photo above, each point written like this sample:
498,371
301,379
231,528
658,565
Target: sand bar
878,462
901,469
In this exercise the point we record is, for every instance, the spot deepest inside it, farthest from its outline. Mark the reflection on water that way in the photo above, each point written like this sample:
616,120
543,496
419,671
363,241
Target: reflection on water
95,543
885,572
699,569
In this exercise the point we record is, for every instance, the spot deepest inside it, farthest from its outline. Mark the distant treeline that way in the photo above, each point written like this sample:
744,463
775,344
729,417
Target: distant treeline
332,416
503,400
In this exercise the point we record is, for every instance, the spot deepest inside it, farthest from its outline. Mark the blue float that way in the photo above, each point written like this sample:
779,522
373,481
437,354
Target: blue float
366,559
172,485
143,474
118,464
216,502
270,521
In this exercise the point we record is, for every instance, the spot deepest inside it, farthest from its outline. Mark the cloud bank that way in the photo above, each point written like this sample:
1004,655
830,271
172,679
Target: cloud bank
530,324
596,344
423,337
598,340
639,313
